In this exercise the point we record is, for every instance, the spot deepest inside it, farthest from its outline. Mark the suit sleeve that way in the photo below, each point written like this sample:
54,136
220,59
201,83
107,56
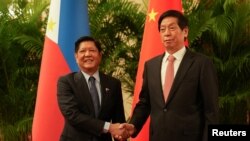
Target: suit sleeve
209,90
142,108
118,115
71,111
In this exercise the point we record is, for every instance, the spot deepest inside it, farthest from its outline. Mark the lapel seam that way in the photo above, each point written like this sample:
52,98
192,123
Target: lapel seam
186,63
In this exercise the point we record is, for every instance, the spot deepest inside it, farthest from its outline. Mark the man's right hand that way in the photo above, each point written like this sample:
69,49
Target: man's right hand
130,128
118,132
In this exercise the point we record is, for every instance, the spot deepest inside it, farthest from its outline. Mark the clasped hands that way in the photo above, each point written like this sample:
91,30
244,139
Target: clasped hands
121,131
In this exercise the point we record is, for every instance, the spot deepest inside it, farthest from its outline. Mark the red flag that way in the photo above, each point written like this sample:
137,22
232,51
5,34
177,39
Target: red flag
151,46
68,20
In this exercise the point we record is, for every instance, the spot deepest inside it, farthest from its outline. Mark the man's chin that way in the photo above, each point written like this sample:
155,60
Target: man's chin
168,46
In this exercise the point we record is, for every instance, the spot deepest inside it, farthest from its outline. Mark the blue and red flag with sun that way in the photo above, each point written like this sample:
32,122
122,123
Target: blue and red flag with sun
67,21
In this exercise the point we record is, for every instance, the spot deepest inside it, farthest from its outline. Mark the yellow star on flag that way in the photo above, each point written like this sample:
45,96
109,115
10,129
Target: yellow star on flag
152,15
51,25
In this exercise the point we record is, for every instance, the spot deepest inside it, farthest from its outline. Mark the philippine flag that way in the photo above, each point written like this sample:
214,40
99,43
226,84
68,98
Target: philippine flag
67,21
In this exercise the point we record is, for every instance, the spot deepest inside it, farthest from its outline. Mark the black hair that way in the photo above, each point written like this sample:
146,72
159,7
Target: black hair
182,20
87,38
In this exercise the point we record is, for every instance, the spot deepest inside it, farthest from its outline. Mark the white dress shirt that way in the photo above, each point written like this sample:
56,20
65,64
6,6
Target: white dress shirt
178,58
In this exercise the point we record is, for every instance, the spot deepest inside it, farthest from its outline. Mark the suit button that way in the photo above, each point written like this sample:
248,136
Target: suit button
165,110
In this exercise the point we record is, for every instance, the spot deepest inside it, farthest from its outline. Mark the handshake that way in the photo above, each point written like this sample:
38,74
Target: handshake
121,131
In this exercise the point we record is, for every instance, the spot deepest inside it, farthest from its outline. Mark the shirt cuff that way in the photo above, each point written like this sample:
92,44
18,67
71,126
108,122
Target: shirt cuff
106,127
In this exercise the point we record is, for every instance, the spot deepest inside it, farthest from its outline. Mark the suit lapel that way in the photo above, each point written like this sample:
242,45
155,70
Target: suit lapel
157,79
105,87
186,63
83,91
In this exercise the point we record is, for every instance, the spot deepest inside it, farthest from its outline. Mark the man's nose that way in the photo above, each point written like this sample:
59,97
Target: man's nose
87,53
167,31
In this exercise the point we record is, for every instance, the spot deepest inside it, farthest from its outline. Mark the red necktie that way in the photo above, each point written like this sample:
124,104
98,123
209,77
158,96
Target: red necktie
169,77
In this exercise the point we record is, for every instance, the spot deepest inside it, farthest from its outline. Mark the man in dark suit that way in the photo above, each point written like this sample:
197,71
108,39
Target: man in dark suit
183,112
92,111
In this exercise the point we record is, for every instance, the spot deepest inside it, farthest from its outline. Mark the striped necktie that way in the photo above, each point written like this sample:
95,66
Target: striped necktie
94,95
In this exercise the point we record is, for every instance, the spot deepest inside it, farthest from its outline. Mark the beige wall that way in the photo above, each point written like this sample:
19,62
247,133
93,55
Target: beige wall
138,1
127,98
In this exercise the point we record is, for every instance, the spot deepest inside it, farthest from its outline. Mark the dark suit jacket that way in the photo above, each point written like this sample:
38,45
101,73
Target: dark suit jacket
192,103
78,110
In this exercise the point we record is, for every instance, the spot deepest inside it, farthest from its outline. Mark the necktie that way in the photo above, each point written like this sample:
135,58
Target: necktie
169,77
94,95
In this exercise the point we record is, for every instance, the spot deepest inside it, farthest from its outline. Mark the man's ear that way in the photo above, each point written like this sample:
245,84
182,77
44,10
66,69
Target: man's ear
185,32
101,54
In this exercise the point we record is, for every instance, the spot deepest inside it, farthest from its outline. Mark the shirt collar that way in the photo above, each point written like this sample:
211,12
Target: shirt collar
95,75
178,55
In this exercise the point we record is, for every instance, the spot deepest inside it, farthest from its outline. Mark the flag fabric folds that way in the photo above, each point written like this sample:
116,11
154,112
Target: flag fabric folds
151,46
67,21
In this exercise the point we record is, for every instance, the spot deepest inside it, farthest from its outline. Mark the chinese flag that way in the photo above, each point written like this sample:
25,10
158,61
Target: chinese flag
151,46
68,20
